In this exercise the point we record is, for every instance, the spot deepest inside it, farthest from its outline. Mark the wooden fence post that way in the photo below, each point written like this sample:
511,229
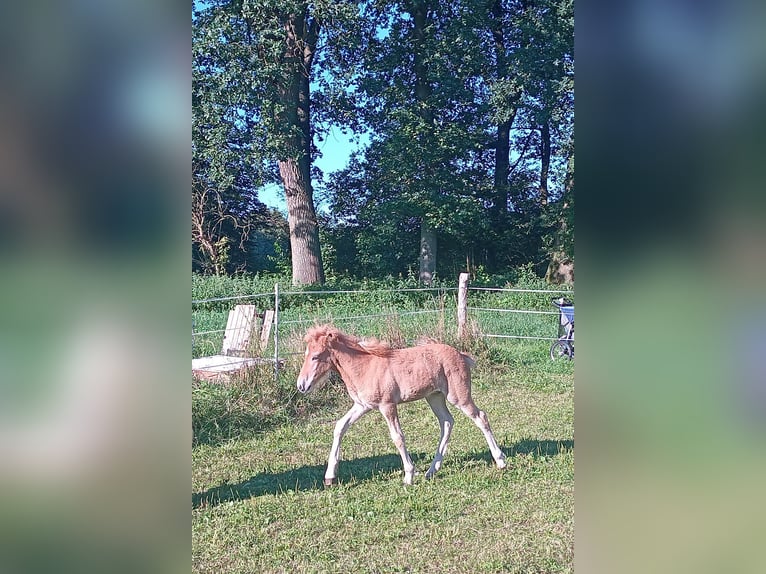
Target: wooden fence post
462,305
276,332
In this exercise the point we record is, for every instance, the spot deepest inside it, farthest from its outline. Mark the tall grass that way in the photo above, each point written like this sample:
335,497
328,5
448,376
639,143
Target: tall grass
385,309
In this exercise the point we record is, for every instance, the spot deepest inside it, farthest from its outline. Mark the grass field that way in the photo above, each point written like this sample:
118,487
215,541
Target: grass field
258,504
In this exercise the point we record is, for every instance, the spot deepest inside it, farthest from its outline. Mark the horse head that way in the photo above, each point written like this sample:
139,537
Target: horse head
317,362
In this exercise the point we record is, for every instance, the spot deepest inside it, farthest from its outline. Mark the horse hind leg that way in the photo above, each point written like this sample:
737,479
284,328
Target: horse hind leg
480,419
438,405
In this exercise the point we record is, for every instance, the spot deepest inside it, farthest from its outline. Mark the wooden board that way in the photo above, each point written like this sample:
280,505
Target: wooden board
240,326
220,368
268,321
240,343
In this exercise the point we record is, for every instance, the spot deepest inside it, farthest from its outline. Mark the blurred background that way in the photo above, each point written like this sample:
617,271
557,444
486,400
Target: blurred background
671,379
95,157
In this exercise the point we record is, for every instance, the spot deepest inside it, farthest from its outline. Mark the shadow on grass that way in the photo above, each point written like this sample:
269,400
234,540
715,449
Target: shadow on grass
537,448
301,479
307,478
540,447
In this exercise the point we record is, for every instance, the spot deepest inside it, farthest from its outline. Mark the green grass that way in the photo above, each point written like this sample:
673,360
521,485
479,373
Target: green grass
259,504
260,448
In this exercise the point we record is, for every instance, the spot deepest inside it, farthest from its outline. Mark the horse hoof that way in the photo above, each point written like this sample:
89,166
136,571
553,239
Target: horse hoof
330,481
501,464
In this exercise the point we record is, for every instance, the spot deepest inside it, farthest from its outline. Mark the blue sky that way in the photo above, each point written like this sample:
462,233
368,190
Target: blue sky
336,149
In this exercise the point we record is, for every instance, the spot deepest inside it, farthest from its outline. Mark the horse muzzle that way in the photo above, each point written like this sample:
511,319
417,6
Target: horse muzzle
304,385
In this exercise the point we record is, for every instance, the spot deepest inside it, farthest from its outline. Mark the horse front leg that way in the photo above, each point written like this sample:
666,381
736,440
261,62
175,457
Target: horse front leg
389,412
343,424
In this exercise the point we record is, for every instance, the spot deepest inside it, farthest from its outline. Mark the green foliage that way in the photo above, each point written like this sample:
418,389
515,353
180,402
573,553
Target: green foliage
229,160
208,287
430,91
428,82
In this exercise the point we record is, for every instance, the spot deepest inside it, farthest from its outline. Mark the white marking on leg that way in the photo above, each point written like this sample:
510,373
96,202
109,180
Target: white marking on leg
480,420
343,424
439,407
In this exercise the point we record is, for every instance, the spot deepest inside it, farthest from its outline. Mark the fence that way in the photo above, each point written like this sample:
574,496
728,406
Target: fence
444,312
506,313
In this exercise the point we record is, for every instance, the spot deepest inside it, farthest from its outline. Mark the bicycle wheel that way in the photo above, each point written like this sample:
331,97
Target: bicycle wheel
561,349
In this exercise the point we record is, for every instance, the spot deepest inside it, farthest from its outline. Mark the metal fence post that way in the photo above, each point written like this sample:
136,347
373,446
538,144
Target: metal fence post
276,332
462,305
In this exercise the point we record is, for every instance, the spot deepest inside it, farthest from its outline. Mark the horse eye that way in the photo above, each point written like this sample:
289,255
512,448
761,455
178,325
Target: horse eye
315,358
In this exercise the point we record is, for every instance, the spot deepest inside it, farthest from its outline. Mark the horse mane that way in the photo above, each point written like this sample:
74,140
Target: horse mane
369,346
375,347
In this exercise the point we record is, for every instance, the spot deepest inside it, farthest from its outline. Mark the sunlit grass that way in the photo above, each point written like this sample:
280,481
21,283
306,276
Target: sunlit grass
260,449
259,504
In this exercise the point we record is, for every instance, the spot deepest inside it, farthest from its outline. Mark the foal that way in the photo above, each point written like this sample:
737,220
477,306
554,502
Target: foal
378,377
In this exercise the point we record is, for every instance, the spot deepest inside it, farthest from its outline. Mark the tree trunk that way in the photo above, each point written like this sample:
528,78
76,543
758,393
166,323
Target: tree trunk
569,178
545,160
503,139
304,231
296,169
502,167
423,89
427,252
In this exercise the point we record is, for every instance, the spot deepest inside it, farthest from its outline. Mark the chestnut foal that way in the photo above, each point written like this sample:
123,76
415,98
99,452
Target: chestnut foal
379,377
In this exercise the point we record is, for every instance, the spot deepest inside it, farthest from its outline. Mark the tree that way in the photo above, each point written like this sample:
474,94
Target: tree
225,179
505,97
258,57
531,83
293,115
416,96
467,105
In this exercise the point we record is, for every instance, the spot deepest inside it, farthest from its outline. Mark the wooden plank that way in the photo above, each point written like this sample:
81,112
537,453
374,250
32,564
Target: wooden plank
220,368
239,330
268,321
239,346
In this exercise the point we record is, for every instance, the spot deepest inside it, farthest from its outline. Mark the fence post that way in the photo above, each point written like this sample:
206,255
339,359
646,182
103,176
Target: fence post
462,305
276,332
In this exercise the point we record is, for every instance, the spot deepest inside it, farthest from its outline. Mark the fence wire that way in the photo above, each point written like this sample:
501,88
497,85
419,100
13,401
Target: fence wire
491,321
356,317
509,290
529,311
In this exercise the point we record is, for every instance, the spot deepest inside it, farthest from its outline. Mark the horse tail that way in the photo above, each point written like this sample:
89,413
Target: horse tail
469,360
